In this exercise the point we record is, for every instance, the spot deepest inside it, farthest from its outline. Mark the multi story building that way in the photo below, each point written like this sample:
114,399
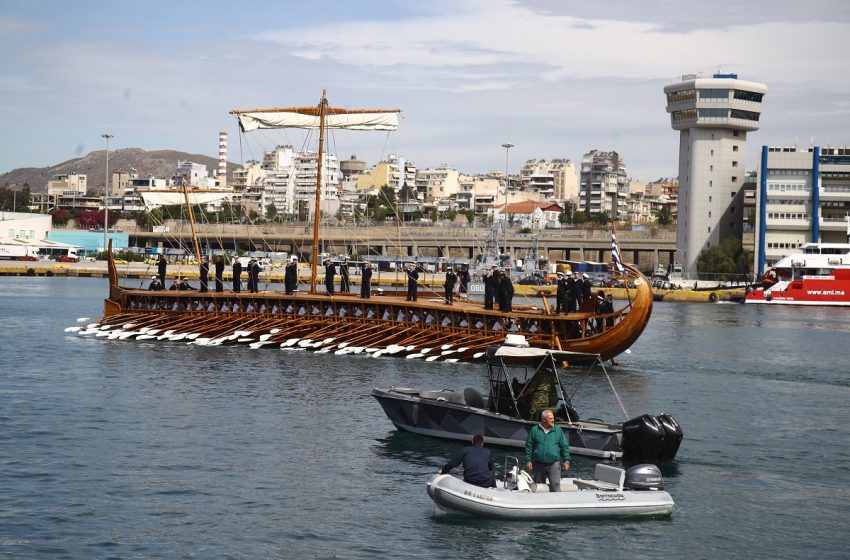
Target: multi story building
803,195
192,173
604,185
555,179
395,172
67,184
713,116
437,183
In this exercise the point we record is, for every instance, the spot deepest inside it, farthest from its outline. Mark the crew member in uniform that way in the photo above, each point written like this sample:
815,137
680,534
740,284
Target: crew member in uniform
489,288
237,275
561,294
330,272
451,280
463,278
412,282
204,274
507,288
366,280
290,276
219,274
160,268
155,285
255,272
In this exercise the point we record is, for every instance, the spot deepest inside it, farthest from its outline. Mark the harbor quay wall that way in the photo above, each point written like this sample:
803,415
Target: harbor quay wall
646,248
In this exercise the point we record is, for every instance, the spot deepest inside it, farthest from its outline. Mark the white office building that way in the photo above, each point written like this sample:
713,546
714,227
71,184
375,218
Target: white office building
713,116
803,196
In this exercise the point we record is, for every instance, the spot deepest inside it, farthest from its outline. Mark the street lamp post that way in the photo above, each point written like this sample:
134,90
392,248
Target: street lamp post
507,148
106,198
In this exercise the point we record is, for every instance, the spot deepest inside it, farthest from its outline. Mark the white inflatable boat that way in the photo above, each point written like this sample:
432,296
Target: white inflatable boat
614,492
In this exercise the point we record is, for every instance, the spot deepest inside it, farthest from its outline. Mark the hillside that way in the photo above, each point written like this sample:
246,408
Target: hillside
157,163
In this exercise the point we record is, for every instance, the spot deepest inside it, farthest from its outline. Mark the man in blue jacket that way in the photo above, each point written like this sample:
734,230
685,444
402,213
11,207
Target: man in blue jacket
545,448
478,467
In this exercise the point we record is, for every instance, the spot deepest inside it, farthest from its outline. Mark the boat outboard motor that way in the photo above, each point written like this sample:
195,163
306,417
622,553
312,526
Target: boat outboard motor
644,477
643,438
672,436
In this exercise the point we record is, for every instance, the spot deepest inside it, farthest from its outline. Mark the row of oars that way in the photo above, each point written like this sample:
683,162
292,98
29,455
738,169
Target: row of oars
319,334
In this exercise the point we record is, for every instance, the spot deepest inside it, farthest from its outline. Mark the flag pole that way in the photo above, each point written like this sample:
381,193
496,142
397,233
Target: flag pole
618,261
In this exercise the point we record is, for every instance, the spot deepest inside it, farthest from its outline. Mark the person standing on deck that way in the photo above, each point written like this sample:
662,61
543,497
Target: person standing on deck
451,280
219,274
237,275
366,281
489,287
507,288
576,292
250,270
204,274
255,273
290,276
330,273
545,448
586,288
561,294
412,281
463,282
344,282
161,266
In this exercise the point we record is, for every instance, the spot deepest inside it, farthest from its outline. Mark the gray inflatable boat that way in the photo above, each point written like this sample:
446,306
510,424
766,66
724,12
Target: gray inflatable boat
638,492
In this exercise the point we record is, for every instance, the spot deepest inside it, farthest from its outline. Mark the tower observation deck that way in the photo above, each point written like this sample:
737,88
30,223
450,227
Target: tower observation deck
713,116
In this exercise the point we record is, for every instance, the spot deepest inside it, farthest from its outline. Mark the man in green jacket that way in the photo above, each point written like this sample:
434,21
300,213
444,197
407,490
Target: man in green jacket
545,448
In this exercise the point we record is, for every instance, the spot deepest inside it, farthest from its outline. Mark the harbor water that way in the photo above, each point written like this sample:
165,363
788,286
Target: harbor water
149,449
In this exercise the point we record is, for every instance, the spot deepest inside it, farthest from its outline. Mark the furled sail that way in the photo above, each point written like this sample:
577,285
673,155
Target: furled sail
294,118
154,198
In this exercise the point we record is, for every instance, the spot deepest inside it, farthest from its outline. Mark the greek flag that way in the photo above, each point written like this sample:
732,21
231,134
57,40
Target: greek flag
615,254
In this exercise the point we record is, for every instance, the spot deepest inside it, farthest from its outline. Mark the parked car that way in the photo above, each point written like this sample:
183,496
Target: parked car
534,279
69,259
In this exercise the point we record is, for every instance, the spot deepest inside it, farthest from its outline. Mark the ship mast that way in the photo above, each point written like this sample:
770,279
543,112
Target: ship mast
319,117
323,107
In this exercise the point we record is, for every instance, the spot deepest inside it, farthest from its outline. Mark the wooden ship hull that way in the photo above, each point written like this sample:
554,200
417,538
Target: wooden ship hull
385,324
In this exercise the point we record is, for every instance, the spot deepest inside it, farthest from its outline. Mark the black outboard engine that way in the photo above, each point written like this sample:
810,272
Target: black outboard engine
672,436
644,477
643,438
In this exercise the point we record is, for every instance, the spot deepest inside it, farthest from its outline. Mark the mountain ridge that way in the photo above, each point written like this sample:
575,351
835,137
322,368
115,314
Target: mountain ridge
155,163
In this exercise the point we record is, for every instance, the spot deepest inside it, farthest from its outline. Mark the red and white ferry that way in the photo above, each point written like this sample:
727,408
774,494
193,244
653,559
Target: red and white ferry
818,275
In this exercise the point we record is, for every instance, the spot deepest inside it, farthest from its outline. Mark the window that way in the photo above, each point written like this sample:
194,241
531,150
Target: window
746,115
732,194
709,198
735,132
734,179
748,95
714,94
709,213
712,152
734,148
734,164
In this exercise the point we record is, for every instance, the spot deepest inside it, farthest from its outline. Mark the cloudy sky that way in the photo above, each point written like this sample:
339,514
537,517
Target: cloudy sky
554,77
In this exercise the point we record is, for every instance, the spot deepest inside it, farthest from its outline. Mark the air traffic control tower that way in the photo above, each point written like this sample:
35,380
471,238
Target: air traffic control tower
713,116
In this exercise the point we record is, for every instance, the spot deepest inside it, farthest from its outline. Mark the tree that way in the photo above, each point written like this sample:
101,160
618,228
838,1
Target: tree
60,217
89,219
149,219
664,217
407,193
271,211
727,261
470,216
601,218
579,217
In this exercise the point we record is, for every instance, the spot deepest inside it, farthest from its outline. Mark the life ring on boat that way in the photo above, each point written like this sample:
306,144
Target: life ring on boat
712,297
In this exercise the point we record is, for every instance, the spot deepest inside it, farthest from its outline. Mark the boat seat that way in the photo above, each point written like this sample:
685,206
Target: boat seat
606,477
